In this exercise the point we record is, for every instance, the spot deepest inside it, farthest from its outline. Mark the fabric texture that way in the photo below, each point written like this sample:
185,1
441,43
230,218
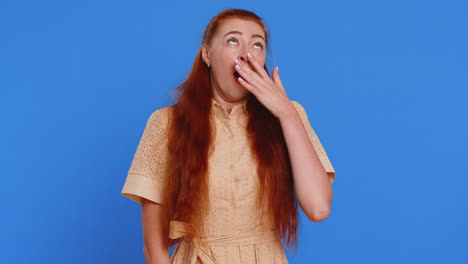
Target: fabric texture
236,231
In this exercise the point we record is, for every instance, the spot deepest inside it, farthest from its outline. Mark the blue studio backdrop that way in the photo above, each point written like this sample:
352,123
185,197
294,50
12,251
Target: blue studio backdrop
384,84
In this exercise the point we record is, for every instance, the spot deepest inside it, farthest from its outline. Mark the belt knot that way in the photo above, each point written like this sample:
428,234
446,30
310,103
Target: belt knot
200,245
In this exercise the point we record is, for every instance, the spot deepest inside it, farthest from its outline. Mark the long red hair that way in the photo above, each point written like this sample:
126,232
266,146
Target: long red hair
190,137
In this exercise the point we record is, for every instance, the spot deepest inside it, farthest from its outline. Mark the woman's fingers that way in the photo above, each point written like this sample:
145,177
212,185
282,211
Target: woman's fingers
248,86
248,75
259,68
276,78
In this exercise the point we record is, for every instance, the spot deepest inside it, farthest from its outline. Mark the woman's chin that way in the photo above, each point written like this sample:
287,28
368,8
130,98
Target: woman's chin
238,83
239,93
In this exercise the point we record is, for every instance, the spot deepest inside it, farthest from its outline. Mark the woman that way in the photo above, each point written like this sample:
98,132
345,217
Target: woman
221,171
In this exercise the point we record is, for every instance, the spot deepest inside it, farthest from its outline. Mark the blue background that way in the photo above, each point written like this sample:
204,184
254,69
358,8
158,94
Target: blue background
384,84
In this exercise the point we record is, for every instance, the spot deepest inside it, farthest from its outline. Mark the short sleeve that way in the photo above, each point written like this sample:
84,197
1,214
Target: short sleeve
147,171
322,154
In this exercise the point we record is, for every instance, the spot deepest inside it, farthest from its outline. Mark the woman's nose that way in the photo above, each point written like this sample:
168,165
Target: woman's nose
242,57
243,54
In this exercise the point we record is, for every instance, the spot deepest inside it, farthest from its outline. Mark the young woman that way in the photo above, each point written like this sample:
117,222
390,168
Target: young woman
221,172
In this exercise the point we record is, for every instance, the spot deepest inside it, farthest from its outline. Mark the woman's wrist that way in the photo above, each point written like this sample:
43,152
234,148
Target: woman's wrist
160,259
157,257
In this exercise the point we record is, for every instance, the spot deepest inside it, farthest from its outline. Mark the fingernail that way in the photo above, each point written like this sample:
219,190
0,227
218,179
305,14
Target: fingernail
237,67
250,55
277,68
237,61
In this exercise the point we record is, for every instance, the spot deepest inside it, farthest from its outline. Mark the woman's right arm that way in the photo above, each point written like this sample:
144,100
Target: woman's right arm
155,233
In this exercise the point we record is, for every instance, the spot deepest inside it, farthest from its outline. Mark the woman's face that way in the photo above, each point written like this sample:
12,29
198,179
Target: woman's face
234,39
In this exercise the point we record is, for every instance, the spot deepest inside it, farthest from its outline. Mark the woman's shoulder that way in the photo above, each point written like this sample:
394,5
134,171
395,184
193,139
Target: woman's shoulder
158,119
161,114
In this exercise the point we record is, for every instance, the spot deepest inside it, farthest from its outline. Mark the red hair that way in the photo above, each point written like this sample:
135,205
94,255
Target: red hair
190,130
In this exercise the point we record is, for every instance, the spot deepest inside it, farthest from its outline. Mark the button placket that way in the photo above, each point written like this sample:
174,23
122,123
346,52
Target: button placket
232,172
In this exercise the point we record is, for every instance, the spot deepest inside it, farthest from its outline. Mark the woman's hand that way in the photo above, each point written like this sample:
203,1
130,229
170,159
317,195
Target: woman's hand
270,93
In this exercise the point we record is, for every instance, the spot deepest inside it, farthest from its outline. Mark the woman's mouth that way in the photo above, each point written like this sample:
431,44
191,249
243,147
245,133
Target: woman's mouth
236,75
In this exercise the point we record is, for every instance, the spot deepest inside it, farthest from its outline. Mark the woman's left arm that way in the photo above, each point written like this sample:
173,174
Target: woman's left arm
312,186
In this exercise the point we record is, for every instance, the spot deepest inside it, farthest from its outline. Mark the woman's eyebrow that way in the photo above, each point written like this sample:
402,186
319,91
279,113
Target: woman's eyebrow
240,33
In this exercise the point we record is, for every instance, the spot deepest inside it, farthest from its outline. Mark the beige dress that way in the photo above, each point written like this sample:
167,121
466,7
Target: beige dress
236,231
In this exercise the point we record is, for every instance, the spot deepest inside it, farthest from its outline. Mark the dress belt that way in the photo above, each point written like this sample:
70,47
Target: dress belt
199,246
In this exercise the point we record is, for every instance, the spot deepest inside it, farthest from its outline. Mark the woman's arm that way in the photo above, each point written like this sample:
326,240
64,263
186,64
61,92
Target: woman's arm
312,186
155,233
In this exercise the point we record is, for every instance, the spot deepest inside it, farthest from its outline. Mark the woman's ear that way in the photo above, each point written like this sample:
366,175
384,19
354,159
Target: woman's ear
205,57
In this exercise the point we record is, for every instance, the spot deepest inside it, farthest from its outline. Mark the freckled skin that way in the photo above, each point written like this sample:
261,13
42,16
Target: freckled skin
223,50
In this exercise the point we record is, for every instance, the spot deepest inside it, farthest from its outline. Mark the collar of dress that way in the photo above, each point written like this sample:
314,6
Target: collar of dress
242,106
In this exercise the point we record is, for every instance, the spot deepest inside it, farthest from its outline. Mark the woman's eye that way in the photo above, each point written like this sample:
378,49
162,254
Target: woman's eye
232,39
259,45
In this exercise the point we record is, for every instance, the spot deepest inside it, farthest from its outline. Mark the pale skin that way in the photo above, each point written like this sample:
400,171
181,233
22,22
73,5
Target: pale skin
155,221
246,48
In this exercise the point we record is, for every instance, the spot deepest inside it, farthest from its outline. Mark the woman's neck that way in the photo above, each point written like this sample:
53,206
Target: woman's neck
227,105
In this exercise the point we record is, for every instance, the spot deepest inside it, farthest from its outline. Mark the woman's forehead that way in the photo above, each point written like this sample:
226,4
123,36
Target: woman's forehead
241,25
